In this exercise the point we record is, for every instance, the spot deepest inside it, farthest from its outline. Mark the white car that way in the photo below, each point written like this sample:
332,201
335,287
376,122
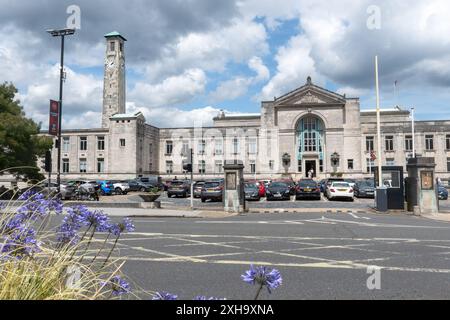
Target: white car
340,190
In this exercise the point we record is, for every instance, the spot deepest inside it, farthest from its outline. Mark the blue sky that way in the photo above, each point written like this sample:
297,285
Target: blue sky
188,60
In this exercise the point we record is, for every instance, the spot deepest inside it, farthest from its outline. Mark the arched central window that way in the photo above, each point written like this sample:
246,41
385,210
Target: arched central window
310,140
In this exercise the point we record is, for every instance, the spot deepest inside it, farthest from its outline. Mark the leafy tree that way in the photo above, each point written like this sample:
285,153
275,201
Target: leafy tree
20,145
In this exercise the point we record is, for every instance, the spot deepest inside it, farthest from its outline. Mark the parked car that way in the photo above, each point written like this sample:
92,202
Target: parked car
351,182
251,190
136,185
66,192
443,193
340,190
198,186
121,187
278,191
179,188
308,189
96,184
213,190
155,181
106,188
365,189
330,181
322,185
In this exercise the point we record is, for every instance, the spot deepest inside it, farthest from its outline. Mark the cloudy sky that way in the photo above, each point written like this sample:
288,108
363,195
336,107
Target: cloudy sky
187,59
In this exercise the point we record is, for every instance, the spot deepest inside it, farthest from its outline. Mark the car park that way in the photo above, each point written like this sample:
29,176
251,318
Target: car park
66,192
340,190
155,181
308,189
251,190
365,189
213,190
278,191
179,188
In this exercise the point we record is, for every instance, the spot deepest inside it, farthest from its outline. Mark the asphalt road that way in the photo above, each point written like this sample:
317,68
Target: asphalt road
320,257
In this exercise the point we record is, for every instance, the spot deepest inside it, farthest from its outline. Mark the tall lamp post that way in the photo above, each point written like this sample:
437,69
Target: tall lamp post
60,33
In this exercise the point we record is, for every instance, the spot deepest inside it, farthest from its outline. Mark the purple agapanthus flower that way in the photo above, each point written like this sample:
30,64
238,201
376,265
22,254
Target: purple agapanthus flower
263,276
119,286
164,296
97,219
125,226
37,206
20,242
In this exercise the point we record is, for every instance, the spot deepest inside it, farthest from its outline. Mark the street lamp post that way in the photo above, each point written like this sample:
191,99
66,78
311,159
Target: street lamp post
60,33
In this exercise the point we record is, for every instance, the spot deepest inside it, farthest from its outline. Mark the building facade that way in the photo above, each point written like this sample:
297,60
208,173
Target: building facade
308,130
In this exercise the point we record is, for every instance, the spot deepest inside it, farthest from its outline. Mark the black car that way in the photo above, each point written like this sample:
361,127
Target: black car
251,192
179,189
136,185
308,189
365,189
213,190
278,191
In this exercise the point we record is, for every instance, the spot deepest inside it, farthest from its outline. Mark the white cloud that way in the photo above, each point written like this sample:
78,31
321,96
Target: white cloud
173,90
212,50
294,66
172,117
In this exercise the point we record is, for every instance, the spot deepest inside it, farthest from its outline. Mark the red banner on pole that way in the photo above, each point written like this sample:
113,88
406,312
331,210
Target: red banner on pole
53,126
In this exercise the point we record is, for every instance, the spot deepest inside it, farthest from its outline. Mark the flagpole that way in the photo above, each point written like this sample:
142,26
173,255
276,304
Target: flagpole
380,174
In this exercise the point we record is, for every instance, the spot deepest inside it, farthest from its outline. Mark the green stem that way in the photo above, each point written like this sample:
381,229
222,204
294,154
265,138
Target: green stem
259,291
109,255
81,241
101,249
88,244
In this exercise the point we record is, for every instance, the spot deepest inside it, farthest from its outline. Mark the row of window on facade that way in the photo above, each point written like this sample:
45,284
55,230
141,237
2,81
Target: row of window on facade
408,145
83,166
218,147
218,167
83,143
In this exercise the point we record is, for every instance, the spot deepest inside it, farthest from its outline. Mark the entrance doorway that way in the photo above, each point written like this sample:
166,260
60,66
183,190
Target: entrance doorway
311,165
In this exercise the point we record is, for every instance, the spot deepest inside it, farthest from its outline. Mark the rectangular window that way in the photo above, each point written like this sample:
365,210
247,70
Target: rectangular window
201,147
429,143
66,145
100,165
122,142
113,46
185,149
121,47
218,147
253,146
169,148
169,167
408,143
447,142
370,166
370,144
218,166
253,167
390,162
389,143
150,149
202,167
350,164
236,146
448,164
83,165
83,143
100,143
321,166
300,166
66,166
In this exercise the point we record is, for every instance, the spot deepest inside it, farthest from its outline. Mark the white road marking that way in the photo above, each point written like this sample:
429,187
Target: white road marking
353,215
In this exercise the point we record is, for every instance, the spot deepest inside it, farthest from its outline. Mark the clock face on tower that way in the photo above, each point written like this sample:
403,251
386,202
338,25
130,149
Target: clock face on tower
110,63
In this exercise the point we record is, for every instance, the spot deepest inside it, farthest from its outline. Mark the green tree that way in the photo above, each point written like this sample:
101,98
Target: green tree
20,145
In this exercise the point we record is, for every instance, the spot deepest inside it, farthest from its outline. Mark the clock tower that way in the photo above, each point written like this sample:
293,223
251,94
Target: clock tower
114,81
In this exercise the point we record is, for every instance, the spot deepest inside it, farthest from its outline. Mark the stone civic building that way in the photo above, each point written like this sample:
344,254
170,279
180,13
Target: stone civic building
294,134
